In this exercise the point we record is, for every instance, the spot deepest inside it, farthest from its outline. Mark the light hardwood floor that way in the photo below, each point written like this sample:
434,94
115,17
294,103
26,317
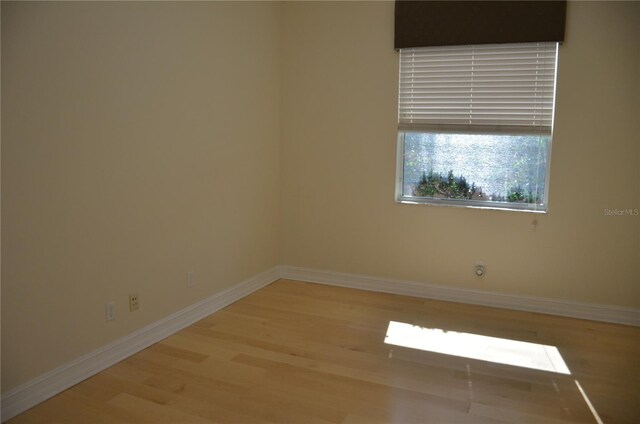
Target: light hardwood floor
305,353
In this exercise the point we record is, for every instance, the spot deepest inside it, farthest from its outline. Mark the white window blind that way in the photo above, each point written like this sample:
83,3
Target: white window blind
491,88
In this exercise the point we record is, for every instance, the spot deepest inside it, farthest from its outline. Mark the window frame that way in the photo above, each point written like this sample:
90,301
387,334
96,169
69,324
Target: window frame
466,203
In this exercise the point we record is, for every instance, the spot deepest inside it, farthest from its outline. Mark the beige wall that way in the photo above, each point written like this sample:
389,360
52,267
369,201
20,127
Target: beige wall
142,141
139,142
339,149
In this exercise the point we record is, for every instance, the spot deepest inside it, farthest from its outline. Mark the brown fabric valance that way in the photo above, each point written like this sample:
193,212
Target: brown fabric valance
444,23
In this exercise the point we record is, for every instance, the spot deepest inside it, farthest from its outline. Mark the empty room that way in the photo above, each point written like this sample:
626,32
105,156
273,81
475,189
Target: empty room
320,212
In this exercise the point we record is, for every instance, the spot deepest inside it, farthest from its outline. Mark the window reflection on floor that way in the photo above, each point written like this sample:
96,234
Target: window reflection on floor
492,349
475,346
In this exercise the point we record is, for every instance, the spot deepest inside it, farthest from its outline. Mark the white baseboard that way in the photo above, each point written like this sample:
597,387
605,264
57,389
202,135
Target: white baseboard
47,385
590,311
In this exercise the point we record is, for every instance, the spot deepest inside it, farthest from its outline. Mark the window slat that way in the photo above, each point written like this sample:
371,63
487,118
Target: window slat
478,87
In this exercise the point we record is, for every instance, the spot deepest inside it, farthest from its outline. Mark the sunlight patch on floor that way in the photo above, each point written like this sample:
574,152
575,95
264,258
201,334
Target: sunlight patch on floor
475,346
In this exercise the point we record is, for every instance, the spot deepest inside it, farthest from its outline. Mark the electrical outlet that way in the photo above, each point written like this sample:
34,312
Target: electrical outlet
479,269
191,279
110,311
134,302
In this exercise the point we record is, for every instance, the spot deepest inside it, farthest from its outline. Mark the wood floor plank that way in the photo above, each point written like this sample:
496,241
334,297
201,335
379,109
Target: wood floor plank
143,410
297,352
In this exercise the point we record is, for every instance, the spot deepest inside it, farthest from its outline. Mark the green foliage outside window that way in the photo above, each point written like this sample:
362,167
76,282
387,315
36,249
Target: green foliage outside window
437,185
492,168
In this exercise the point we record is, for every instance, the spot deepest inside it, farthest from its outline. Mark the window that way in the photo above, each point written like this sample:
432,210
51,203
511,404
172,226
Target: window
475,125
